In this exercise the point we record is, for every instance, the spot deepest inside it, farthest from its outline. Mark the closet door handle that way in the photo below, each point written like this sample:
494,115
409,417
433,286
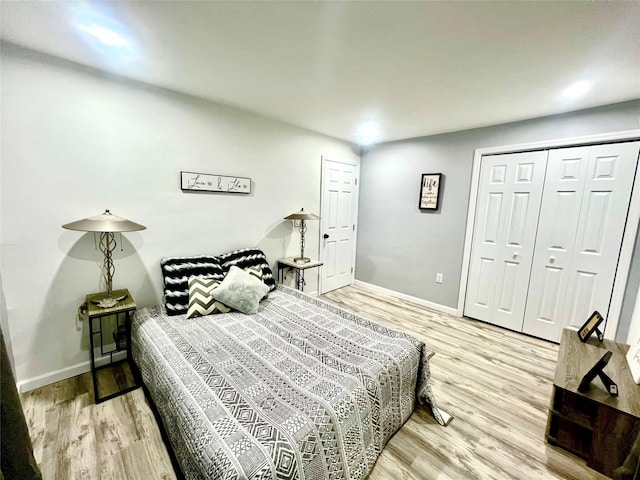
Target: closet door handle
515,255
552,259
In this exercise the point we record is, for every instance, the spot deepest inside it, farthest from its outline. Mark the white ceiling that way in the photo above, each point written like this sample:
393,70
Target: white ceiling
416,68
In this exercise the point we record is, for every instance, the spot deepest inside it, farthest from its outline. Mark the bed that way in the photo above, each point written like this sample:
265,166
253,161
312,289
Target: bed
300,389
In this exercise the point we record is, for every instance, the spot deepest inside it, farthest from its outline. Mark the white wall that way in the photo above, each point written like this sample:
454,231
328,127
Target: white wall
75,141
4,327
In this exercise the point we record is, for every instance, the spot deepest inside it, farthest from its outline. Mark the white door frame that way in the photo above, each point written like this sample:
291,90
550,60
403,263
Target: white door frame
355,163
628,239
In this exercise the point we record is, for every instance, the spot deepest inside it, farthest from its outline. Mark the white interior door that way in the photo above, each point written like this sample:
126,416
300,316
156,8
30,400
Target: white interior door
588,269
507,209
338,223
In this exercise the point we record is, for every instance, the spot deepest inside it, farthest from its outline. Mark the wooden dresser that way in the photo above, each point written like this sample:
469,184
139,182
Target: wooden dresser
593,425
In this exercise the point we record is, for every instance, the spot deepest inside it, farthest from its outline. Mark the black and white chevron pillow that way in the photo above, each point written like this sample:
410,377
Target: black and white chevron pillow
201,302
249,258
177,271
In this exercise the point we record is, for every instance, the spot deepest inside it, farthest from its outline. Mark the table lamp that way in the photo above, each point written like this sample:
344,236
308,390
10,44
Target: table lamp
107,224
302,216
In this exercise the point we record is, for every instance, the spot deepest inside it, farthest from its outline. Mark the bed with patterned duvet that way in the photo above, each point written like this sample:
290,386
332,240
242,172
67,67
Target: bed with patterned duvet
302,389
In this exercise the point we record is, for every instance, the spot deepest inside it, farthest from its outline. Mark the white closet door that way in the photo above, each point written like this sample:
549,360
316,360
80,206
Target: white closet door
559,215
507,211
590,273
603,217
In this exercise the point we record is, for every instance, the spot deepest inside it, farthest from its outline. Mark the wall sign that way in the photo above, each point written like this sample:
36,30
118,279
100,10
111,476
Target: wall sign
204,182
430,191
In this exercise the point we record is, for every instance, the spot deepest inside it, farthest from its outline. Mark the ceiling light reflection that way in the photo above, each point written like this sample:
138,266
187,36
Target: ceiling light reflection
577,89
106,36
100,29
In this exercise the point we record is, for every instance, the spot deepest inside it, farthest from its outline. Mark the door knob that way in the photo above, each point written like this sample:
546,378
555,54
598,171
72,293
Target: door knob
515,255
326,235
552,259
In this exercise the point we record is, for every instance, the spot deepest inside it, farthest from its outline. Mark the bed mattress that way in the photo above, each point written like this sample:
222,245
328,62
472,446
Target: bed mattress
302,389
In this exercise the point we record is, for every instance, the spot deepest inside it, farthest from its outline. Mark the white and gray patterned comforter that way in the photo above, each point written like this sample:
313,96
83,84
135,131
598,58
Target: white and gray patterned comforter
302,389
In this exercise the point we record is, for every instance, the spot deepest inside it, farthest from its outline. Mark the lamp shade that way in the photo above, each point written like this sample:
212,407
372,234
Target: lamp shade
302,215
105,222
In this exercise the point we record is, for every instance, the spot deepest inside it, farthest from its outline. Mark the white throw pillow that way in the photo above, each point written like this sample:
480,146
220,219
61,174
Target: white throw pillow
241,291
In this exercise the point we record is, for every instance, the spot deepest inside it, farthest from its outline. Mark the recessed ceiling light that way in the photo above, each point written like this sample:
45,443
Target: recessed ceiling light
368,132
577,89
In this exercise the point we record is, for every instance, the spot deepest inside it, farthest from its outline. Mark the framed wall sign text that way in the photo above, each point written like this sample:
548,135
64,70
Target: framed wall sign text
430,191
204,182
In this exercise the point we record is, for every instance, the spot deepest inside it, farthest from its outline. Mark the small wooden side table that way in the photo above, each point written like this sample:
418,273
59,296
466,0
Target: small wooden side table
593,425
123,311
289,263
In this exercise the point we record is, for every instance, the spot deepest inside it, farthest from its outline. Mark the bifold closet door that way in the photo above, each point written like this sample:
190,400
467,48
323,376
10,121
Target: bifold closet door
559,216
509,198
582,219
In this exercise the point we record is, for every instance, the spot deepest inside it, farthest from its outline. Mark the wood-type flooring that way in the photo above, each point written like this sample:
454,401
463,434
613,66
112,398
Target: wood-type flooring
496,383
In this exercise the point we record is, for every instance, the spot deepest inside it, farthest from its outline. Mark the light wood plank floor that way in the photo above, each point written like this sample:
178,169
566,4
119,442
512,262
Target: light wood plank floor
496,384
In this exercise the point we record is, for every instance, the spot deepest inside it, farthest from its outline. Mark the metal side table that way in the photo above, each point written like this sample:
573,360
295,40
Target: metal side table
119,343
289,263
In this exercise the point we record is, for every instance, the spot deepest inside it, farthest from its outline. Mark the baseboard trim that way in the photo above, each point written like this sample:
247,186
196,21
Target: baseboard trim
404,296
52,377
64,373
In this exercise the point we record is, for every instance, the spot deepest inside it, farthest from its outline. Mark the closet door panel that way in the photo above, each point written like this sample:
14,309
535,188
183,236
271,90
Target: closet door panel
601,225
517,250
485,288
506,294
489,215
559,214
582,219
582,300
505,227
549,301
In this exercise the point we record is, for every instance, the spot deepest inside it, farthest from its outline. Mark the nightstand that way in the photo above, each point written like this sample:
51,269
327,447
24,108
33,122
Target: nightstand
289,263
593,424
114,345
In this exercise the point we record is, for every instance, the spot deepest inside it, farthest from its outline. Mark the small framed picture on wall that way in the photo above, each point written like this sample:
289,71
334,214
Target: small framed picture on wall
430,191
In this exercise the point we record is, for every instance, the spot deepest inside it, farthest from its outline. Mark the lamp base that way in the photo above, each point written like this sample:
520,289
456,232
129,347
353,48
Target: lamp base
301,259
109,301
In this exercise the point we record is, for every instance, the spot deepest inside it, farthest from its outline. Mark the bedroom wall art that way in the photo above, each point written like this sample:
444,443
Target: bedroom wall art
430,191
203,182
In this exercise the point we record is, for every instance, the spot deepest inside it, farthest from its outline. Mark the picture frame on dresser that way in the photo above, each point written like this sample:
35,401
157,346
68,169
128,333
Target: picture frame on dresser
590,326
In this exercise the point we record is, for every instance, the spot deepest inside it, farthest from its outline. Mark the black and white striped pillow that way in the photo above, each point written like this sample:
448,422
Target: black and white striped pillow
176,272
249,258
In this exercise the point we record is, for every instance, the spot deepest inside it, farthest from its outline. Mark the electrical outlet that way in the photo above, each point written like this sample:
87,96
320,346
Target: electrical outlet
439,278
